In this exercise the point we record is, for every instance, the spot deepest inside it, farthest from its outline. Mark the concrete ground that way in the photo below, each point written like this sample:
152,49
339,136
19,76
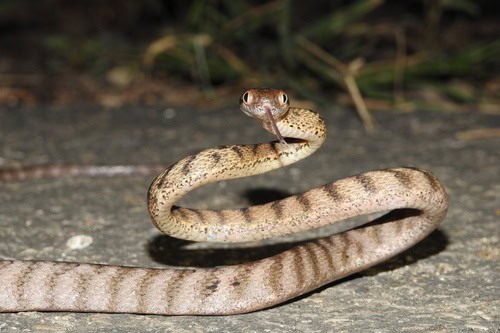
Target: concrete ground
447,283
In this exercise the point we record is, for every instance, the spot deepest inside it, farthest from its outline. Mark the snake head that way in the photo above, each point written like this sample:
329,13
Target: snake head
267,106
258,103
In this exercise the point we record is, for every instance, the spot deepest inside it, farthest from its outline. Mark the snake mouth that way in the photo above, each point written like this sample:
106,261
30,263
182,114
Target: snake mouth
274,127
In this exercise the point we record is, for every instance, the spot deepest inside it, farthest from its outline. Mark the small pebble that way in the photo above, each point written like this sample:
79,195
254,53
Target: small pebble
79,242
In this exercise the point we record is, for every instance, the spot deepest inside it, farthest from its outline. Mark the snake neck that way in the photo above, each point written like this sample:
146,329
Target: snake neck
304,131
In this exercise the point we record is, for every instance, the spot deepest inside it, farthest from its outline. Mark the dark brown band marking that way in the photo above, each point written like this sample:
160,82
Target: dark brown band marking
303,201
332,189
186,167
142,292
242,279
173,285
367,183
199,214
326,252
55,275
298,266
373,232
245,213
274,276
433,182
209,284
114,287
82,285
216,157
346,245
254,148
358,247
314,260
277,207
237,150
403,177
214,283
221,216
181,212
23,279
274,148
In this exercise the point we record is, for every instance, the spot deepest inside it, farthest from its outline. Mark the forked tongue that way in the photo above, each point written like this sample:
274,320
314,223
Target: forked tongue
273,125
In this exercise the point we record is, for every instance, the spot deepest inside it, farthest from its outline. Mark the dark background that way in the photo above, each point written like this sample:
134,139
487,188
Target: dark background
368,54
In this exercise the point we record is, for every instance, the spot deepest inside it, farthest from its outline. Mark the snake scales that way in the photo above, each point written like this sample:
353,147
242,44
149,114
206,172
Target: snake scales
419,203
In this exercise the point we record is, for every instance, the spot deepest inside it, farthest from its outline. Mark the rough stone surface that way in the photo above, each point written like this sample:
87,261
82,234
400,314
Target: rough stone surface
447,283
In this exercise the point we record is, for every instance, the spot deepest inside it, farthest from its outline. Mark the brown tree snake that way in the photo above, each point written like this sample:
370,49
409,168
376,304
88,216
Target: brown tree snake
82,287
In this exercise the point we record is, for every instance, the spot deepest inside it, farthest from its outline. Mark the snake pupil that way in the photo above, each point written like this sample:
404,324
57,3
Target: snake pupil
245,97
284,98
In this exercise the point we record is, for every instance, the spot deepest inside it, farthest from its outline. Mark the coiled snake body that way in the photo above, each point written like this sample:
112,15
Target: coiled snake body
419,200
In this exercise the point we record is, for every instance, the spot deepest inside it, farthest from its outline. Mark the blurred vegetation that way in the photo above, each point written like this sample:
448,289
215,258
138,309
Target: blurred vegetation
373,54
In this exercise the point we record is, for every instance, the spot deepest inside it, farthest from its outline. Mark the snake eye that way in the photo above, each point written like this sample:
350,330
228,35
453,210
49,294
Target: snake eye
246,98
283,98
